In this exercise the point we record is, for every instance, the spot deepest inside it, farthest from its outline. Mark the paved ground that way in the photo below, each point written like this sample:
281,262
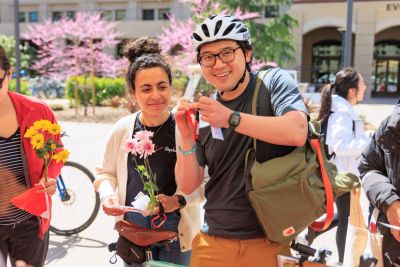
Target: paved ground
90,247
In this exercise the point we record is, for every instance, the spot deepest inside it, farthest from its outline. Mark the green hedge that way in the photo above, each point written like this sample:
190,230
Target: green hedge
106,88
24,86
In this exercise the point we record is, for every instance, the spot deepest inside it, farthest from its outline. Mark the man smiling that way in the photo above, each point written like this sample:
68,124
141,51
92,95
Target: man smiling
231,235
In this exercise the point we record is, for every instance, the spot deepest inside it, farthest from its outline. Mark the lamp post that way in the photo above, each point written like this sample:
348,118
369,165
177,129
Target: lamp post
17,52
348,35
342,31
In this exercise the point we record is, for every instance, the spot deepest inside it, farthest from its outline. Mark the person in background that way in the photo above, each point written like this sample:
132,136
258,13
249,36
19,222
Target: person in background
20,169
380,173
118,182
345,136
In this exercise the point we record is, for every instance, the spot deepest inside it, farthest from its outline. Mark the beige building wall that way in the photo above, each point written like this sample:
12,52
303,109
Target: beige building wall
369,19
132,26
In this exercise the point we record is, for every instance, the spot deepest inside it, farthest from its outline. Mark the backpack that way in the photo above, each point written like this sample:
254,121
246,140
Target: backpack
288,193
323,133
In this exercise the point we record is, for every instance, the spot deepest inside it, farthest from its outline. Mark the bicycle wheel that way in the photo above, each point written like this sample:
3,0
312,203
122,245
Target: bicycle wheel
78,211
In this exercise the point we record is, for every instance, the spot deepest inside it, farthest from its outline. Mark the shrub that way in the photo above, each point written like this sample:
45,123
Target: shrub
106,88
24,86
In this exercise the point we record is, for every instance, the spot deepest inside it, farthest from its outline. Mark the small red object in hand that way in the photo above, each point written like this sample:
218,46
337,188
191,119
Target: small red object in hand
193,118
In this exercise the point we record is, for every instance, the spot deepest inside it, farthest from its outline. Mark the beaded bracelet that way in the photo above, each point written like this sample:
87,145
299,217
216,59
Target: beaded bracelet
187,152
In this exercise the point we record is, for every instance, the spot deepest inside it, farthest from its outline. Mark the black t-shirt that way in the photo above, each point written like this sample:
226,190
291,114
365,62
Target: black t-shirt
162,161
228,212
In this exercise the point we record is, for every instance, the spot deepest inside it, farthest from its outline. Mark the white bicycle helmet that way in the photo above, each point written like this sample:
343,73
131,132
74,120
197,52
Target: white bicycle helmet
219,27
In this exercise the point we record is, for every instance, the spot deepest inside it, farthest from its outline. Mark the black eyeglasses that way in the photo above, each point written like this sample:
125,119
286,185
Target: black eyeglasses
226,56
2,79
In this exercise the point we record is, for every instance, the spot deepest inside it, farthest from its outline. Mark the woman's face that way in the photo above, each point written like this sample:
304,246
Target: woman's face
152,91
361,89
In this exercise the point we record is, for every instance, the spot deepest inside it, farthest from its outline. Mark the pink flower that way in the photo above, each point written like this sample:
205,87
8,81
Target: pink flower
143,135
147,148
131,145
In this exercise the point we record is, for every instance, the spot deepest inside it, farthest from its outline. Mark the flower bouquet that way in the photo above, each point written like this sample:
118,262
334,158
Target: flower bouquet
44,137
142,146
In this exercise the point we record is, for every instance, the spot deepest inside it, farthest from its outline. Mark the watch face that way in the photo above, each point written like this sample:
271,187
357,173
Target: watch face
235,119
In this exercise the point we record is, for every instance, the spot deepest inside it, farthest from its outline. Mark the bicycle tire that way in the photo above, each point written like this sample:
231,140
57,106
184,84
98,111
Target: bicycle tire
93,215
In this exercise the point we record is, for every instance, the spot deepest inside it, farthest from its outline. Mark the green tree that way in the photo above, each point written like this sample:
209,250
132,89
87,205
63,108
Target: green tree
272,40
27,52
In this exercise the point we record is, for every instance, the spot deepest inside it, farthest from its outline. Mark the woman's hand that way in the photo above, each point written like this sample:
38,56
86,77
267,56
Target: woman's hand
393,215
49,187
111,206
169,203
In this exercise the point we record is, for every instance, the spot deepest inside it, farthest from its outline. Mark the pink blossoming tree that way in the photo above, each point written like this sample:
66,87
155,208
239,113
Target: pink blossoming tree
72,47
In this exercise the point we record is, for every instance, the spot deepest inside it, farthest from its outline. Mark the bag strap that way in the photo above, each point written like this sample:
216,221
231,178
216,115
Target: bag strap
260,79
322,225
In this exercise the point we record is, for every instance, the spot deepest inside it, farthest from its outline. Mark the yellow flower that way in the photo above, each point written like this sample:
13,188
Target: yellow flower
54,128
42,124
37,141
30,132
61,156
53,146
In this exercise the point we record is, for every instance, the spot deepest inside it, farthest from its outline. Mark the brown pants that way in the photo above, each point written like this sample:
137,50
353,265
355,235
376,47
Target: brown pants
21,242
214,251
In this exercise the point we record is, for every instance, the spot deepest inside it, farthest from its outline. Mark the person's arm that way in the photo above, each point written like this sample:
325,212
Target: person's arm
288,126
106,174
289,129
340,136
376,183
189,174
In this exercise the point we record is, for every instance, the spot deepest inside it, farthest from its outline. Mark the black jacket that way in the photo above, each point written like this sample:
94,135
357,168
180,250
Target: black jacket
380,171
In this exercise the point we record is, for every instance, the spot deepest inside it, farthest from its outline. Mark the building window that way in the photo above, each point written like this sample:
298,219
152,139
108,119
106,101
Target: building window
56,16
326,57
271,11
33,16
21,17
148,14
70,14
120,14
164,13
386,75
107,15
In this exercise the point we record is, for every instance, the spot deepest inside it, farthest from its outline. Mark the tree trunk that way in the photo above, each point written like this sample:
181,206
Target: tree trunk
91,62
93,91
85,96
76,96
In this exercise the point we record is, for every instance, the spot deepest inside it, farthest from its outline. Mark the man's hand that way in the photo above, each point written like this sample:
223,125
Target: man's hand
111,206
393,215
213,112
49,187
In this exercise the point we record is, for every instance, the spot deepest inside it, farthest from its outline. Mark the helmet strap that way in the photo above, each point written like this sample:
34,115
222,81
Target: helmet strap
237,85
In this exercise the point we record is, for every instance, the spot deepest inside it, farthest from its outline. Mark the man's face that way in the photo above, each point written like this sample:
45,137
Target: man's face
224,76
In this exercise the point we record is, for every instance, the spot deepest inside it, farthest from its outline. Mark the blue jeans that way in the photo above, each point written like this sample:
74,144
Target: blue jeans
171,254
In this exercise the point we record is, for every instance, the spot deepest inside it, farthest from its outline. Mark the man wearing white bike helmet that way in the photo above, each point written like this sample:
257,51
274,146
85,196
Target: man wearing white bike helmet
231,235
